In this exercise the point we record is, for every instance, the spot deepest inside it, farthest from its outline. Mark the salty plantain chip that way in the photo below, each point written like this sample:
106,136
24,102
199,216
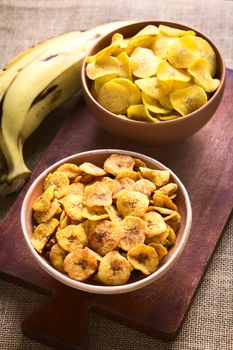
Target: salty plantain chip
153,105
207,52
199,69
99,82
143,258
144,186
173,220
70,170
160,45
141,113
133,231
188,100
97,194
143,62
166,71
104,66
44,216
114,269
92,169
130,174
42,233
160,250
125,71
72,237
183,52
80,264
171,238
113,214
174,32
158,177
155,224
60,180
64,220
162,200
134,92
76,188
169,189
114,97
57,256
103,236
131,203
73,205
154,87
44,201
138,163
117,163
165,102
94,213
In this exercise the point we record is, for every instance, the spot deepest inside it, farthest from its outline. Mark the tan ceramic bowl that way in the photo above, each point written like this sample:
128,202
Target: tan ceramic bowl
98,157
148,133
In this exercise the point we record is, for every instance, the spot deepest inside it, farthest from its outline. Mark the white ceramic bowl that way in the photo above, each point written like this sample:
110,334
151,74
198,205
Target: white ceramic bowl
97,157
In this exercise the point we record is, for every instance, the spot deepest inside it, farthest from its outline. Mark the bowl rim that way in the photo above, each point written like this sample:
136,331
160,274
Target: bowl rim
96,289
138,122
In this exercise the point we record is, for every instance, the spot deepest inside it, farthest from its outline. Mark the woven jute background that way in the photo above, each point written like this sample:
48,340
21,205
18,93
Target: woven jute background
209,324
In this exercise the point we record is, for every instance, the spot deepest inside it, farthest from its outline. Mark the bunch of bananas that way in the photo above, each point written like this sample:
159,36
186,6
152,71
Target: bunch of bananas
33,84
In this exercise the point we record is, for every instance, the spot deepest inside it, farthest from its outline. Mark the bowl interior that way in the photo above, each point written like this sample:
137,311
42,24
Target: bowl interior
98,158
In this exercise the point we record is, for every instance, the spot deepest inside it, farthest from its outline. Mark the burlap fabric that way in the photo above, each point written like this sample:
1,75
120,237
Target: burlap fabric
209,324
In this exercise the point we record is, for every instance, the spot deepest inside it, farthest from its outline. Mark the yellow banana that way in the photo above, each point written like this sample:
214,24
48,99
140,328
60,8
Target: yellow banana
35,84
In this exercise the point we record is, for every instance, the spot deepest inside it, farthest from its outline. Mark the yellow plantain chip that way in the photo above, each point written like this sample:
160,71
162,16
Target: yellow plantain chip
144,186
64,220
114,269
161,210
73,205
166,71
161,239
57,256
188,100
183,52
199,69
154,87
60,180
143,62
143,258
72,237
117,163
143,41
141,113
207,52
153,105
80,264
98,257
113,214
162,200
160,250
44,216
44,201
103,236
126,183
173,220
134,92
42,234
158,177
76,188
97,194
130,174
174,32
94,213
86,179
133,231
138,163
148,30
155,224
165,102
104,66
113,185
114,49
171,238
131,203
160,45
114,97
169,117
99,82
177,85
169,189
70,170
92,169
125,71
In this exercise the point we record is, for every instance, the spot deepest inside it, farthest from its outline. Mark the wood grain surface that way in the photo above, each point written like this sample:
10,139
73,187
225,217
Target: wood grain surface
204,163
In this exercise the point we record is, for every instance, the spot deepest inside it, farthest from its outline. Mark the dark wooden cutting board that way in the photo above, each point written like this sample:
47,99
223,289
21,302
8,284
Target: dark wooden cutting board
204,163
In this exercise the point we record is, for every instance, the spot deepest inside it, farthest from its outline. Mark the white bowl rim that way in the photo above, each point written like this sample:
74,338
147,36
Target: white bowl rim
107,289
